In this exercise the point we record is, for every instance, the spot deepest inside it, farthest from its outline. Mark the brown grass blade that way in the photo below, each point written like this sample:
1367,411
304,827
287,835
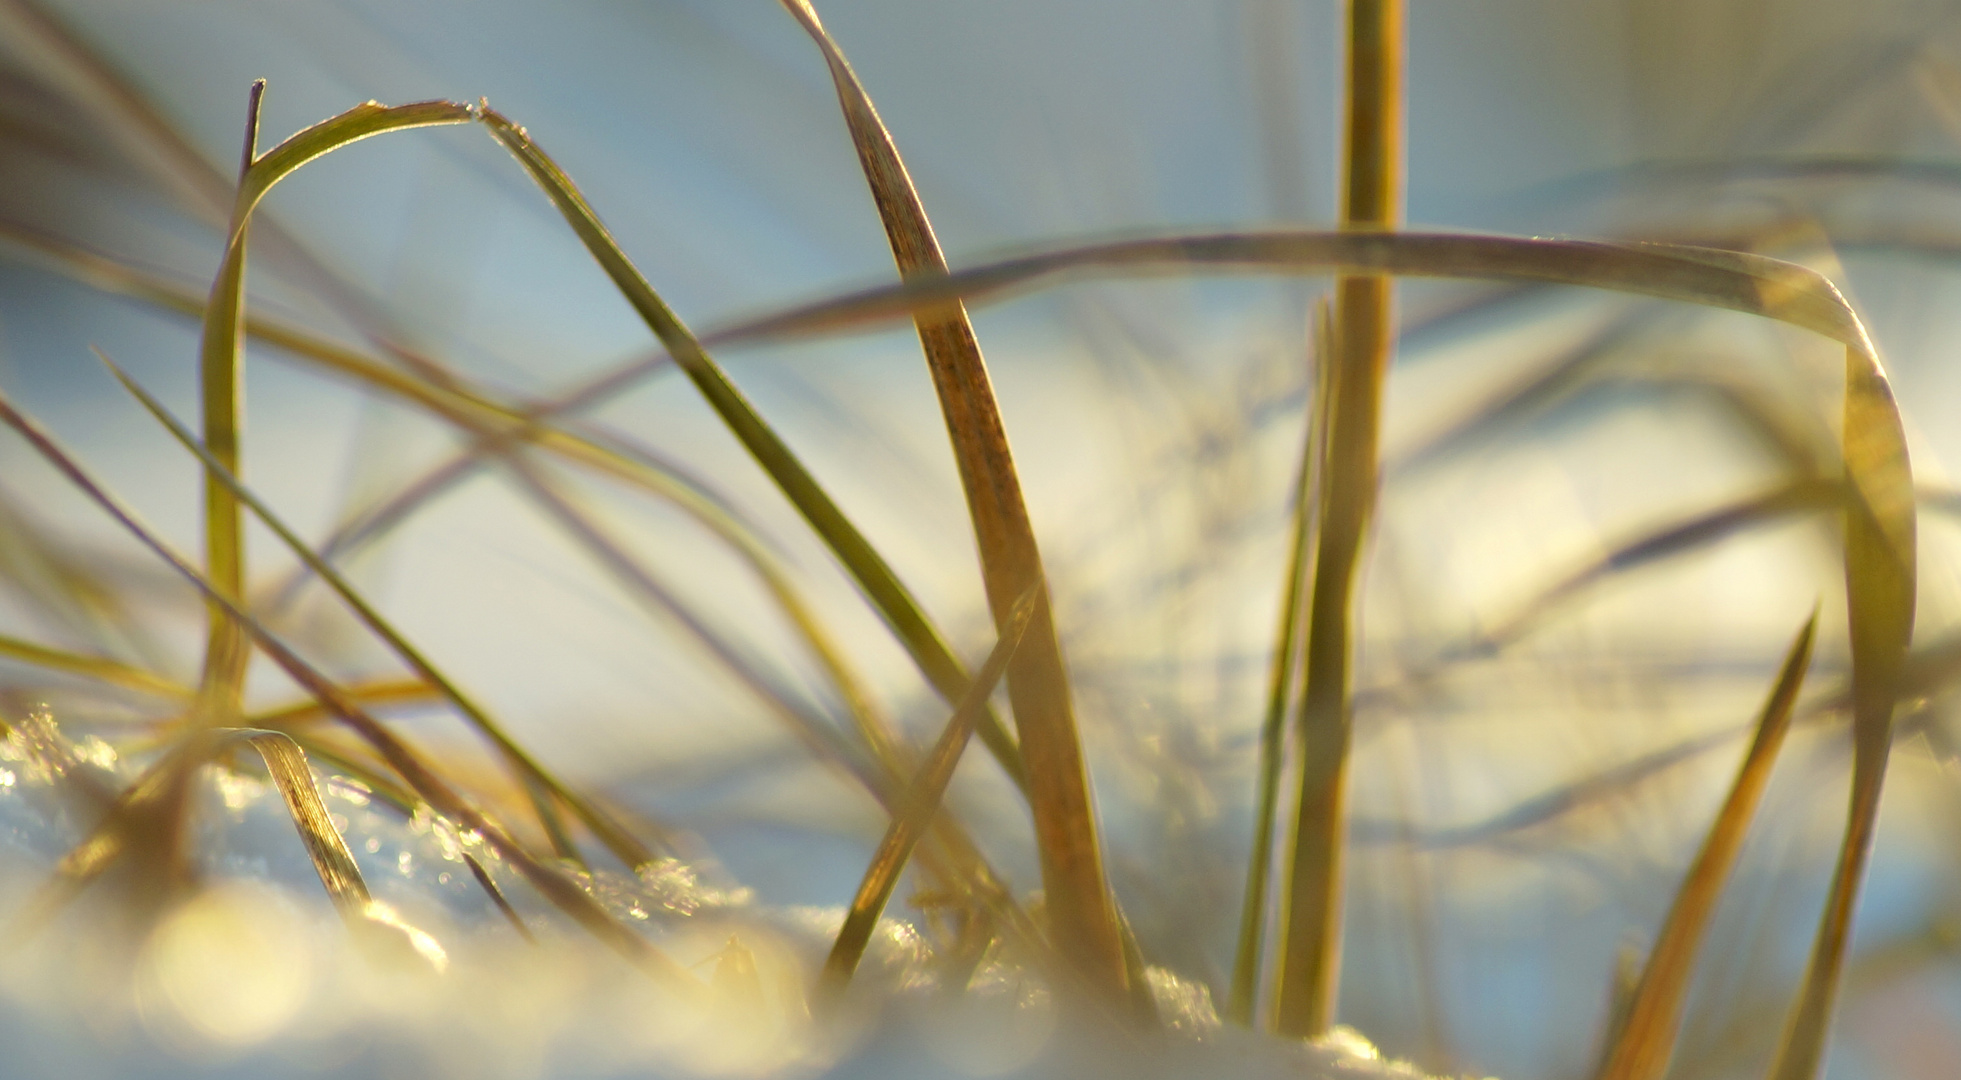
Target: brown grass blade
1283,684
1081,909
546,787
1646,1039
563,893
497,897
894,602
918,807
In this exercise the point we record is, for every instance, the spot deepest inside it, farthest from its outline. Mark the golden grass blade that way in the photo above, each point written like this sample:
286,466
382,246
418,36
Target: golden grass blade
286,763
1646,1038
220,350
1082,914
1242,998
99,668
616,838
382,692
1879,584
218,359
563,893
894,602
1371,197
918,807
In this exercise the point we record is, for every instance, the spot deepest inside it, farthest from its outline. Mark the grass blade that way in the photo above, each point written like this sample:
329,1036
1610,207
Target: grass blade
894,602
563,893
1082,913
535,777
220,350
918,807
1280,690
1371,196
1646,1037
1879,585
99,668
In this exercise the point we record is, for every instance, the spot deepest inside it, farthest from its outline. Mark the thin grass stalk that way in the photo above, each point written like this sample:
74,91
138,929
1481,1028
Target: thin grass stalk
561,891
1645,1037
919,805
1282,685
219,353
1082,913
1372,181
545,788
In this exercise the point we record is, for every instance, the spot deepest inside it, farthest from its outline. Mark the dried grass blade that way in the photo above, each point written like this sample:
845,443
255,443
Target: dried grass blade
894,602
1081,908
919,805
497,897
99,668
561,891
545,786
1282,685
286,763
1646,1038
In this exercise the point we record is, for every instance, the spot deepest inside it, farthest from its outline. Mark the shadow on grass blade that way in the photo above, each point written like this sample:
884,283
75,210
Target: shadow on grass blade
1646,1037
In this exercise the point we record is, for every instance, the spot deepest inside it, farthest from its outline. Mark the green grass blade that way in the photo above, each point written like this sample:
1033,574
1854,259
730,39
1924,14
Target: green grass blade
622,843
218,358
1281,687
1646,1038
560,890
1082,913
919,806
220,350
894,602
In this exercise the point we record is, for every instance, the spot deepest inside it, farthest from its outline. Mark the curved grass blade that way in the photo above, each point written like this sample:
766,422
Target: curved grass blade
534,776
496,425
1646,1037
1282,685
889,596
1081,908
560,890
99,668
220,349
918,807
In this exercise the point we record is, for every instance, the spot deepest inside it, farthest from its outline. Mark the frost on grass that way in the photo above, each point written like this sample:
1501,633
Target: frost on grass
254,969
